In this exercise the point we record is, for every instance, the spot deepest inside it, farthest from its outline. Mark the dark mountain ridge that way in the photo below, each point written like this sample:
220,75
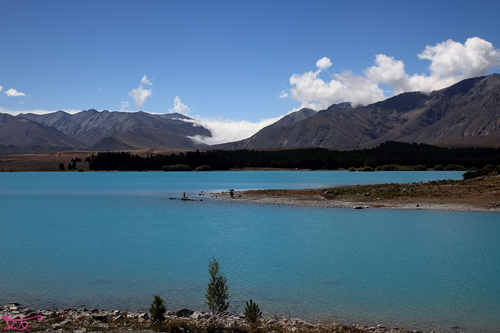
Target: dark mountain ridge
91,129
459,114
464,114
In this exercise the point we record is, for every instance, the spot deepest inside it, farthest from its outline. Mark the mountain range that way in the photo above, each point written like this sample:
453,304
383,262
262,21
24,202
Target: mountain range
94,130
464,114
467,113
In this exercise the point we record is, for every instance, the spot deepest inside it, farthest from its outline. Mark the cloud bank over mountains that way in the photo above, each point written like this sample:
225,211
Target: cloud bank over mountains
223,130
229,130
451,62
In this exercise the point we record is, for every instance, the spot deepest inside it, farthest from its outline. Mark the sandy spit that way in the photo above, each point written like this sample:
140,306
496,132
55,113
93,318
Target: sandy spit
319,201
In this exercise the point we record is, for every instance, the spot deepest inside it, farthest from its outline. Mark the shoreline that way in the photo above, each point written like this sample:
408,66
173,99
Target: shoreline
79,320
481,194
318,201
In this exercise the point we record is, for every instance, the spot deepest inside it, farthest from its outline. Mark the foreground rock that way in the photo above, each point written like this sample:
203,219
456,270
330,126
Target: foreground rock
184,320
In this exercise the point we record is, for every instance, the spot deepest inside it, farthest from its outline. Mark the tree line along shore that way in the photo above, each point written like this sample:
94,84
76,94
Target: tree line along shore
390,155
387,156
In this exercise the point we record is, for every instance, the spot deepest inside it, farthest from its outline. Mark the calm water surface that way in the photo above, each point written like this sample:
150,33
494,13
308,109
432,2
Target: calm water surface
114,240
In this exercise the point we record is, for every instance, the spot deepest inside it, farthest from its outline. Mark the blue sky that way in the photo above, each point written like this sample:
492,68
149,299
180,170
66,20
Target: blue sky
236,66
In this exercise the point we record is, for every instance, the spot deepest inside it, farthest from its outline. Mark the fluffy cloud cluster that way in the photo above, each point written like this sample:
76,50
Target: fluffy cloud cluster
141,94
451,62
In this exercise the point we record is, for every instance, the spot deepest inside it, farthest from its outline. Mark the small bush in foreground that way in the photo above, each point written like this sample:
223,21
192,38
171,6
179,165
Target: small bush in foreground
158,310
217,289
252,312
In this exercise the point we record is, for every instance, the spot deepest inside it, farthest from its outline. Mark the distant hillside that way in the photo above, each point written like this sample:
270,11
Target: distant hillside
106,130
456,115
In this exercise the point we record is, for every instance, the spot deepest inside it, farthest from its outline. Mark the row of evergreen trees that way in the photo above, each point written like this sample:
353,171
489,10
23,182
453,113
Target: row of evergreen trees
390,152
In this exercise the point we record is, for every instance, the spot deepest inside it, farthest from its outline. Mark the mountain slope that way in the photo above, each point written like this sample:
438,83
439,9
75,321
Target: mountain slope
261,138
293,118
461,112
19,135
108,130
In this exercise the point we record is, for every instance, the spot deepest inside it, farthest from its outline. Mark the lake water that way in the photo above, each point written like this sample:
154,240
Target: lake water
115,240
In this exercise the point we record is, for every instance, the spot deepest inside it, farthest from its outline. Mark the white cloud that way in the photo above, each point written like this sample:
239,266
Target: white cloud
388,70
1,88
230,130
451,62
124,106
283,94
14,93
141,94
145,80
179,107
315,93
222,130
323,63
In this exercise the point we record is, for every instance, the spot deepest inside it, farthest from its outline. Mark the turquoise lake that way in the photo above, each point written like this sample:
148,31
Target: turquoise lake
114,240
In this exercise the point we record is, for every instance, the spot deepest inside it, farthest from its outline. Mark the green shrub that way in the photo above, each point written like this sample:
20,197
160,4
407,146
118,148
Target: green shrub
176,167
203,168
388,167
420,167
366,168
252,312
352,169
439,167
455,167
217,289
158,310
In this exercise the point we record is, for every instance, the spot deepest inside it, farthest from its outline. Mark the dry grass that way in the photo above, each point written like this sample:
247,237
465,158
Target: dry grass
42,162
51,161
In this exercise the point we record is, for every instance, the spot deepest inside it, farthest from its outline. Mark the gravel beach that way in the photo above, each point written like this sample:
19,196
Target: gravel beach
479,194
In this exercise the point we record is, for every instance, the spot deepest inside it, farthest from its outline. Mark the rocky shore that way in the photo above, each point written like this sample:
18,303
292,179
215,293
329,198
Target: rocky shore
79,320
479,194
320,201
